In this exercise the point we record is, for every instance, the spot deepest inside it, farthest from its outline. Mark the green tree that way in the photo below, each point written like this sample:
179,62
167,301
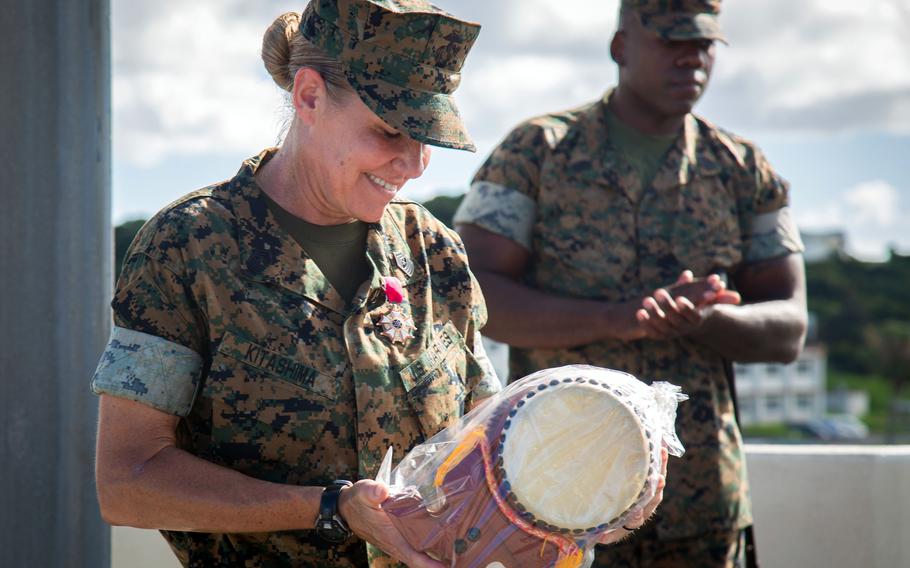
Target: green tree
443,207
123,236
889,343
848,296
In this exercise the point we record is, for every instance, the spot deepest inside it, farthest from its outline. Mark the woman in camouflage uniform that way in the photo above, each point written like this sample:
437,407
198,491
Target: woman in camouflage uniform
279,331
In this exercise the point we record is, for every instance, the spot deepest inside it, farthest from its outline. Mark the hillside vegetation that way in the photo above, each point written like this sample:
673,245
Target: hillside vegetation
863,309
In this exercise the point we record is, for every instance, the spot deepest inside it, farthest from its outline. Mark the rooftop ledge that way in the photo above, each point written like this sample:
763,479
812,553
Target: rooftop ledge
815,506
831,506
826,450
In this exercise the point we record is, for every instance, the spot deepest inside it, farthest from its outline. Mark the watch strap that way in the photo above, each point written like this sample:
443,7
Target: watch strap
328,505
330,525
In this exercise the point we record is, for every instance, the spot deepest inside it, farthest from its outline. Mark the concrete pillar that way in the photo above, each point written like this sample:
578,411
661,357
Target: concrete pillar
55,276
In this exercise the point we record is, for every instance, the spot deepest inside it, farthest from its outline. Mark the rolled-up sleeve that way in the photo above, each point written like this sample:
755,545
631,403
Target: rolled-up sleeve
771,231
503,194
489,383
157,349
149,369
499,209
774,234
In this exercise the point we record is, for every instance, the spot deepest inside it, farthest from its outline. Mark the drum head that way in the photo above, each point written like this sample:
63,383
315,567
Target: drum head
574,454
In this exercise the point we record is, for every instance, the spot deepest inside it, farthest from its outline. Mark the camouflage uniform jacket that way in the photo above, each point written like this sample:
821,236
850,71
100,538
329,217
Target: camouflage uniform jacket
555,186
221,318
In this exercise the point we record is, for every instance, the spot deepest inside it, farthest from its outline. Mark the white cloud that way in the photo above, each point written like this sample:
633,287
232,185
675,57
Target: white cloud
156,116
187,77
188,81
536,21
872,215
825,217
874,202
501,93
815,65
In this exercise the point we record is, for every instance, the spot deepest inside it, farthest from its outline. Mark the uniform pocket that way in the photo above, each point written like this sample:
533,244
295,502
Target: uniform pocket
706,233
435,381
584,247
272,412
279,365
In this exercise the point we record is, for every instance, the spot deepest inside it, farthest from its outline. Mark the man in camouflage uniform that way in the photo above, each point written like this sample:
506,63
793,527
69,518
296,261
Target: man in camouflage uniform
607,235
238,382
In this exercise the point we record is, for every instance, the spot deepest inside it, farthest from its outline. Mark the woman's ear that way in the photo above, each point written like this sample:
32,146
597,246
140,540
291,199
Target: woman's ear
308,94
618,48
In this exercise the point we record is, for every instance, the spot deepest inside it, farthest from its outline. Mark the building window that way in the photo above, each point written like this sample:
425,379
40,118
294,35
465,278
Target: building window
804,402
804,367
774,404
773,370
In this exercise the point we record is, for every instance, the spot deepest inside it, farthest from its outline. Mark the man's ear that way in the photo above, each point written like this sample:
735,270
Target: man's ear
618,48
308,94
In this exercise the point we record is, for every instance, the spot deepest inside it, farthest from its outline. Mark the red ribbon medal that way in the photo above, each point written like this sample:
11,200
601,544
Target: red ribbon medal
394,292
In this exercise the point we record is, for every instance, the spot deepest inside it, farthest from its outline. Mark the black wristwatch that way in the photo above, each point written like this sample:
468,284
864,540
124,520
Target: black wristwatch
329,525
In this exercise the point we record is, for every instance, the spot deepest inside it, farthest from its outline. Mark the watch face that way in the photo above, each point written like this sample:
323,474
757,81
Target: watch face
332,531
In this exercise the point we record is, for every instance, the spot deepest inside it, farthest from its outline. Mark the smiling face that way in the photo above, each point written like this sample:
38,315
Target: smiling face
362,162
340,162
665,77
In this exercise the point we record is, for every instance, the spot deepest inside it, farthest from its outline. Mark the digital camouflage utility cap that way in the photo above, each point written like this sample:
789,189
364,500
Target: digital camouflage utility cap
402,57
679,19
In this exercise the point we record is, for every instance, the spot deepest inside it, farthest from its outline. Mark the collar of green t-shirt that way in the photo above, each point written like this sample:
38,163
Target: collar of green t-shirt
645,153
338,250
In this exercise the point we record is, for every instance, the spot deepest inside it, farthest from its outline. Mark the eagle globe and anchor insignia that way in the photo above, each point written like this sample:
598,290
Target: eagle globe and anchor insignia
395,324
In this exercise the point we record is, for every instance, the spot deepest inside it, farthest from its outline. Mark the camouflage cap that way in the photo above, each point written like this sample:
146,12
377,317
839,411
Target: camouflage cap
679,19
402,57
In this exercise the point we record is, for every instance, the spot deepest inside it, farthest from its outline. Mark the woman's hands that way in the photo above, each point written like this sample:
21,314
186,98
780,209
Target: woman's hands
640,518
360,508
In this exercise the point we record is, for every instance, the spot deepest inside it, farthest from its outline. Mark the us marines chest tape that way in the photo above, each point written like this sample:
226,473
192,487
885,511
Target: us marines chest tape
538,473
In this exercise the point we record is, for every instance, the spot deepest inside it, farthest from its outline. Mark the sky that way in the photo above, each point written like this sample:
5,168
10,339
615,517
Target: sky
822,86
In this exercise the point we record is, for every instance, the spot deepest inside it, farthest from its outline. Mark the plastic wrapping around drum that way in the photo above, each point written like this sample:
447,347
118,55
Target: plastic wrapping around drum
538,473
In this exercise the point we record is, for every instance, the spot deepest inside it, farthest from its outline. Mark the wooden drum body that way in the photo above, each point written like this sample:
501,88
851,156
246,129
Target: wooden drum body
536,475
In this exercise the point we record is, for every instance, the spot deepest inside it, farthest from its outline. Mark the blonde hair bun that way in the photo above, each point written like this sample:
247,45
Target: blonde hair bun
276,48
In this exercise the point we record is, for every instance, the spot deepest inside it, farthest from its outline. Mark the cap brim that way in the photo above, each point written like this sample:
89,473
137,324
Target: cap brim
430,118
681,26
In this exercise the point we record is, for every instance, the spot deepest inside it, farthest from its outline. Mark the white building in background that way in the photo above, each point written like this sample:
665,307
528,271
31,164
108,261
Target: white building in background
824,245
850,402
797,394
773,393
770,393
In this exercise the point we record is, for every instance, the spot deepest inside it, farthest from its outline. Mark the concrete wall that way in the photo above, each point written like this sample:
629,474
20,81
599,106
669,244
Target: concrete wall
831,506
137,548
815,507
55,276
